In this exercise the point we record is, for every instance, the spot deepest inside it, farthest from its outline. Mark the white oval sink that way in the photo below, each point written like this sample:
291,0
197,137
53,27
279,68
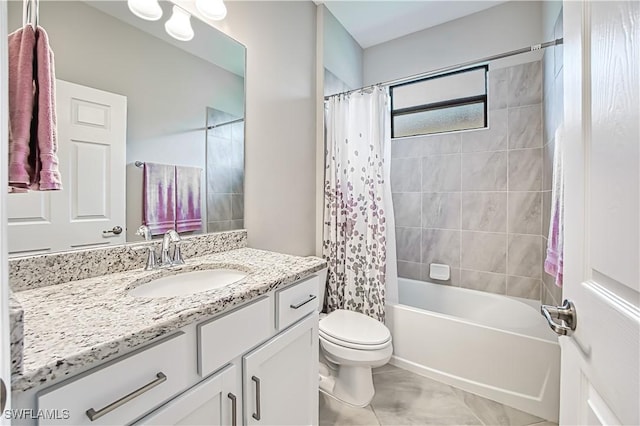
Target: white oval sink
186,283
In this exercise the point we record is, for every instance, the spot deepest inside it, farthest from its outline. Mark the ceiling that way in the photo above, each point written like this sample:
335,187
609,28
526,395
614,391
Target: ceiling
373,22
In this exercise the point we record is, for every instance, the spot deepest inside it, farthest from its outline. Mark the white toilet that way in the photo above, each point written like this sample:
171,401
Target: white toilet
351,344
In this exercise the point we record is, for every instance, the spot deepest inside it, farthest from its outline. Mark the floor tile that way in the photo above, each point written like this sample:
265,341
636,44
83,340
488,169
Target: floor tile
494,413
387,368
333,412
404,398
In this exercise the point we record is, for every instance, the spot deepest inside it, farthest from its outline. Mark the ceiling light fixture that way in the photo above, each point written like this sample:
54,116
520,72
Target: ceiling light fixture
179,25
212,9
148,10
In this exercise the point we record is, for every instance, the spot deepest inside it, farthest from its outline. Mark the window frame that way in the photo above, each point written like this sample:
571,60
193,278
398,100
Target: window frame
443,104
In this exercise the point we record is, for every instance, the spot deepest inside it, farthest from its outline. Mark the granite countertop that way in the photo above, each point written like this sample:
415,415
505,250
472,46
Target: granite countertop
69,326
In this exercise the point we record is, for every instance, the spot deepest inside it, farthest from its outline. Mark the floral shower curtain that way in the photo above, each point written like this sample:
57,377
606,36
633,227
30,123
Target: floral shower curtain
358,209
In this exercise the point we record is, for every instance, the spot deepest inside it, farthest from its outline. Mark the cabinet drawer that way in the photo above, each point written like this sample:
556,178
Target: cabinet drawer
124,389
297,301
226,337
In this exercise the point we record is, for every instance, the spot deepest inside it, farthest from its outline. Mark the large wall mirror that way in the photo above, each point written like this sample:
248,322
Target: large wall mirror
127,94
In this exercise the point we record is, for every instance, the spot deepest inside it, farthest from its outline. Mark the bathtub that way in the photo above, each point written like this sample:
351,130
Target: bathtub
494,346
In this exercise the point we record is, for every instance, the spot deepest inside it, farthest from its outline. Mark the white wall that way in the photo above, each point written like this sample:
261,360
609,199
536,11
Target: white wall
281,104
342,56
505,27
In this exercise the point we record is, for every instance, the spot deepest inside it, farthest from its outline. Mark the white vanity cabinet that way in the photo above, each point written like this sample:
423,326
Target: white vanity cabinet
215,401
280,378
254,365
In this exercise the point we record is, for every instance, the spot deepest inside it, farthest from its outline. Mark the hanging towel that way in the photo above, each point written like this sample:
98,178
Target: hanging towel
159,197
47,173
553,264
188,202
21,45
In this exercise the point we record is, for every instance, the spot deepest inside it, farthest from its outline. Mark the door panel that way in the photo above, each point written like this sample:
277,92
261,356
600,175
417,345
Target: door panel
615,151
600,381
92,133
90,176
29,218
91,152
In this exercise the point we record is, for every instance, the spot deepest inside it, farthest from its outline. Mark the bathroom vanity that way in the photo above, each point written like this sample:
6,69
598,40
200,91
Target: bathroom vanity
244,353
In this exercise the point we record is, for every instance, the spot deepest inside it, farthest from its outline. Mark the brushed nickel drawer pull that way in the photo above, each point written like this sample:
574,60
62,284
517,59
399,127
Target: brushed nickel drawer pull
94,415
234,413
304,302
256,415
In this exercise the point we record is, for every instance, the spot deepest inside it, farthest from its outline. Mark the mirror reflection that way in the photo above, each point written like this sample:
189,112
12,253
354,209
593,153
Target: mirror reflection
129,96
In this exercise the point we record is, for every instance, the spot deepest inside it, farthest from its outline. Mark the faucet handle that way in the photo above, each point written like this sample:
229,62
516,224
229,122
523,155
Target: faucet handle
144,232
177,256
152,260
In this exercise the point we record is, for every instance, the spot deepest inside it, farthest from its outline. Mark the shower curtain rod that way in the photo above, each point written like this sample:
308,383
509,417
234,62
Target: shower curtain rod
455,67
213,126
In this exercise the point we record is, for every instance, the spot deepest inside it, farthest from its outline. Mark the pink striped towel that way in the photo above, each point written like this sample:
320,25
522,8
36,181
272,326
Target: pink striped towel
47,175
553,264
159,197
188,204
21,94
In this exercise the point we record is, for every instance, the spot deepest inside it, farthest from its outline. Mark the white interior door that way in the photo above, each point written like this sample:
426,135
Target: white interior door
92,129
600,379
91,151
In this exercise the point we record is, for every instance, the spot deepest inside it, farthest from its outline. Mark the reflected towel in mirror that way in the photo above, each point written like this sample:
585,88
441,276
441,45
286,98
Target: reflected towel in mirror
188,202
159,197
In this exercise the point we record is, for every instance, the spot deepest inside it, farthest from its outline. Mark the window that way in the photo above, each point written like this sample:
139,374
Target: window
449,102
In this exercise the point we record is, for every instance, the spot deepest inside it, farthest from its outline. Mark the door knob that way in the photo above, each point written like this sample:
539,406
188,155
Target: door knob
565,313
116,230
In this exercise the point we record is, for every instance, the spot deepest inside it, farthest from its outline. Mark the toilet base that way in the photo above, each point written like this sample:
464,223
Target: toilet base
352,385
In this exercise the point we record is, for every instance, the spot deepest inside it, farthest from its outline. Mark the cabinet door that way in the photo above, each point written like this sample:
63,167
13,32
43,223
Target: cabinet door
214,401
280,379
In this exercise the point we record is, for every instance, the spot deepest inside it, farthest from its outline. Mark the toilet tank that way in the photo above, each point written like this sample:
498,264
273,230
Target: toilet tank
323,287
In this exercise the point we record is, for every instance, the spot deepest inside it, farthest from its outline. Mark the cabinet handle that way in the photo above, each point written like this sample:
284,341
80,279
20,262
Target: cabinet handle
304,302
234,414
256,415
94,415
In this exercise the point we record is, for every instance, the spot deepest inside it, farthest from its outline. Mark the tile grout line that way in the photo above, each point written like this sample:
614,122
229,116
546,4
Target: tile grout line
506,266
459,284
471,410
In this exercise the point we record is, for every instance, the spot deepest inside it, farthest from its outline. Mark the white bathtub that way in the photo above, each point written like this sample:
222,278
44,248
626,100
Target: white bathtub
494,346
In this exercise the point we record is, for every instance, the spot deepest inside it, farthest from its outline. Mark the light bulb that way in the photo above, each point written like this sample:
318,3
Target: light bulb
179,25
148,10
212,9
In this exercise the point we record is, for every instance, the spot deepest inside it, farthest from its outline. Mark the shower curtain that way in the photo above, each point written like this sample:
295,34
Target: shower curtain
358,213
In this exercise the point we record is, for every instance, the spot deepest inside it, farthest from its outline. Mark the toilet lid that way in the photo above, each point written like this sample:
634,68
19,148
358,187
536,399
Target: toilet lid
354,327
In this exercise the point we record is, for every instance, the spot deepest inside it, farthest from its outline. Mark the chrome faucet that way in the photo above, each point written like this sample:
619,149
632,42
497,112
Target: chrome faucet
171,236
152,261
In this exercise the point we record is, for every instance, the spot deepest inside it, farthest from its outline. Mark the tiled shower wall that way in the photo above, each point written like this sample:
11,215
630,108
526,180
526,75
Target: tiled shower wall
473,199
552,117
225,173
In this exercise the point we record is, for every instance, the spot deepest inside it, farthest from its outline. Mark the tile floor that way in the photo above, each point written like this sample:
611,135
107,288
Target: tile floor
405,398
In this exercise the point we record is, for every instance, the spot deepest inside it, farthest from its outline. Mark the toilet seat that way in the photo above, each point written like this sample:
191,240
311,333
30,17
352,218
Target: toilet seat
350,345
354,330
